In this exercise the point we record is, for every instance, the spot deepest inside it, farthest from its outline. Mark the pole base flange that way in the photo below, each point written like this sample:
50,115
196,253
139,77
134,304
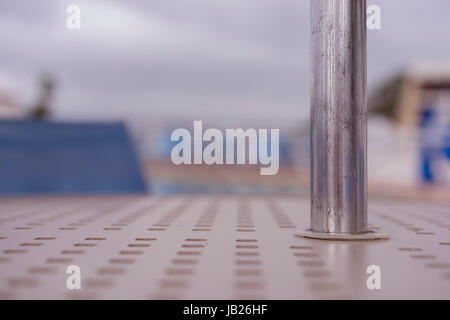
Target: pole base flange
369,235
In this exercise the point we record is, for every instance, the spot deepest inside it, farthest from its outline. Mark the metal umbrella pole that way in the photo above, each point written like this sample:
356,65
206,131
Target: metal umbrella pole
338,121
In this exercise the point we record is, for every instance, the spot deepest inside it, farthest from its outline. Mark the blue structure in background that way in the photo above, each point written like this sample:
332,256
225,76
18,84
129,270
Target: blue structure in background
434,145
427,119
49,157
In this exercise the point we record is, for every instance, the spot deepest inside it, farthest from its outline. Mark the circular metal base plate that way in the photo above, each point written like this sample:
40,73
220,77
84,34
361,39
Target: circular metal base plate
369,235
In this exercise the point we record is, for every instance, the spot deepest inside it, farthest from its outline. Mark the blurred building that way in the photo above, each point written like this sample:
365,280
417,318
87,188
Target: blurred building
424,104
9,107
425,88
409,130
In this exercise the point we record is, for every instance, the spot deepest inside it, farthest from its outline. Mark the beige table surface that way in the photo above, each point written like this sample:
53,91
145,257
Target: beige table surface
214,247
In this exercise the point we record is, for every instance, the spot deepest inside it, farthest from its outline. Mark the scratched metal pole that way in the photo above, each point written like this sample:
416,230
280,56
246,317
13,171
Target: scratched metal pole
338,117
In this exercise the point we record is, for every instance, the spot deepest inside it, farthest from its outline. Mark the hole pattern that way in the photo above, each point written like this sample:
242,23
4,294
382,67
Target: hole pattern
176,246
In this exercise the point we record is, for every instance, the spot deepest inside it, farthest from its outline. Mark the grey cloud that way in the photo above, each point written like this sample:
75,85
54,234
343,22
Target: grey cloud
196,56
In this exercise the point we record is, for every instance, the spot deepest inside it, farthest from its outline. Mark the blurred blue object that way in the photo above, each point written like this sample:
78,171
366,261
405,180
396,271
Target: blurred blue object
52,157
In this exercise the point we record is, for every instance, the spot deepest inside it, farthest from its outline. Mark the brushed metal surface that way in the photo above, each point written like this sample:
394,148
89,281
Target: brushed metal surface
338,116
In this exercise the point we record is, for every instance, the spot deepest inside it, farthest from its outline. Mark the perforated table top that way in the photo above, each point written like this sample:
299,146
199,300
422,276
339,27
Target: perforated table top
205,247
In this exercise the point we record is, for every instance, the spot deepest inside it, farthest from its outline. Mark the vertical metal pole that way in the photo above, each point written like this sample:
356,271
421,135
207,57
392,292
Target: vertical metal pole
338,117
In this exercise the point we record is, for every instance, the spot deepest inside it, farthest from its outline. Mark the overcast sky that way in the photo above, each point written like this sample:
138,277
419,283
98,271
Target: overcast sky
195,57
